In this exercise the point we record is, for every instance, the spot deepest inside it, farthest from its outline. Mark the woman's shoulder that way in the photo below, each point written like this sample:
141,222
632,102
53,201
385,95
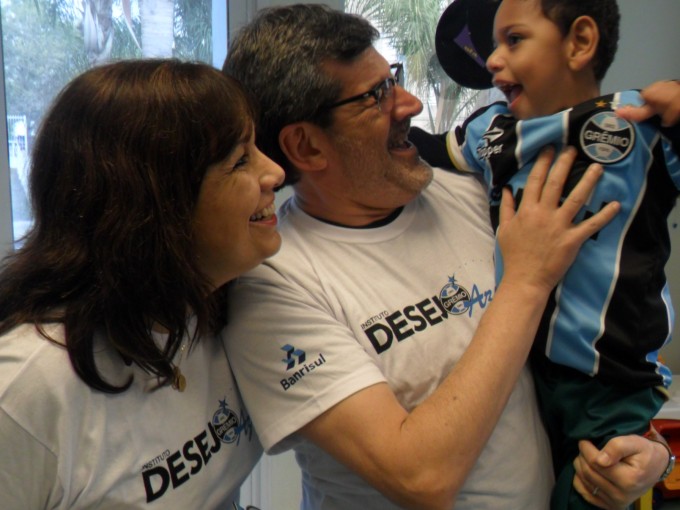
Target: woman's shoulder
27,349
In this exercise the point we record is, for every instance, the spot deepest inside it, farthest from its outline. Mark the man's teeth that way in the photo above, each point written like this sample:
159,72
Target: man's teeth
264,213
400,144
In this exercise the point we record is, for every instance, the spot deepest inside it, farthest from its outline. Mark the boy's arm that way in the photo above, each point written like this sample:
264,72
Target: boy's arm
445,150
432,148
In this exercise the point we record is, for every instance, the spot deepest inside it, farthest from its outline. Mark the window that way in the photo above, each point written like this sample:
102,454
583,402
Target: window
407,35
45,43
82,33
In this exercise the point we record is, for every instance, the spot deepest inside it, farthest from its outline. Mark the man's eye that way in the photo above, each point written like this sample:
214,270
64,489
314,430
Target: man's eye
379,93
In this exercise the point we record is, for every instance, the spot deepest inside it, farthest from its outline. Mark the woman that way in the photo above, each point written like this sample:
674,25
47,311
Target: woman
148,195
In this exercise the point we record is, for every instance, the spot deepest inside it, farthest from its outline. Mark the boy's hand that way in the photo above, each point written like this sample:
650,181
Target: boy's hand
625,469
661,98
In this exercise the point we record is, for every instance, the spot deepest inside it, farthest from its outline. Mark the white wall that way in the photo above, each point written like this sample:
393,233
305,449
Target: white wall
648,51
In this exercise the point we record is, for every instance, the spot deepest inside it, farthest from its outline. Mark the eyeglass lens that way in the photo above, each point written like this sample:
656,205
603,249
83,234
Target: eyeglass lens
385,90
380,92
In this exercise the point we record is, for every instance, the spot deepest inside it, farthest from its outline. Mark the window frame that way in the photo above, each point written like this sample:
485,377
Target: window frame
6,224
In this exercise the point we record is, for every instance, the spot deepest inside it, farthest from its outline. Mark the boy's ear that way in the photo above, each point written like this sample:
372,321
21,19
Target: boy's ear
303,144
584,36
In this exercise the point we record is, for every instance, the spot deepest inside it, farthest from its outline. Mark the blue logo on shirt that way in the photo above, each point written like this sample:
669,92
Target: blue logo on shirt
606,138
293,355
298,356
453,299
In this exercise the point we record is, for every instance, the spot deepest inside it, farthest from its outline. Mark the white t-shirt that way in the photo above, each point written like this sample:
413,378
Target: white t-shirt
340,309
65,445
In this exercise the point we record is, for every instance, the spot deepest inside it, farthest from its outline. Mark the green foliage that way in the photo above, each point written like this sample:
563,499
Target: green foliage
42,51
124,46
410,26
193,30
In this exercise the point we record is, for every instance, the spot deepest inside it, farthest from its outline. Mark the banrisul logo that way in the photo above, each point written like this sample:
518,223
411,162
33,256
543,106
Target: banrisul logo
297,365
606,138
293,356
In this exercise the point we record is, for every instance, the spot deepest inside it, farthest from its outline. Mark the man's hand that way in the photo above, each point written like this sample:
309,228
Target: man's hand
540,240
625,469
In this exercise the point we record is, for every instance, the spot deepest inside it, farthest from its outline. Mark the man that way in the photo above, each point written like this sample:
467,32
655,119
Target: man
362,343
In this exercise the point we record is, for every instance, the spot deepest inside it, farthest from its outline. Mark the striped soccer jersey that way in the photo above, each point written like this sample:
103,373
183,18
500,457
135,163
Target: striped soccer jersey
612,311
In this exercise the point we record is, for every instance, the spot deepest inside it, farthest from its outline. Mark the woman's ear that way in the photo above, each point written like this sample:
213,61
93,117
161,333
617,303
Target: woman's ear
303,144
583,39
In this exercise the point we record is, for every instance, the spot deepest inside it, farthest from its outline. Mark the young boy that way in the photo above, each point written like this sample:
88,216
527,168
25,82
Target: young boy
595,358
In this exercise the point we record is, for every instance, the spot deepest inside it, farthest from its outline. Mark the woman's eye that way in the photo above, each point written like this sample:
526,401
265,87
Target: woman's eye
242,161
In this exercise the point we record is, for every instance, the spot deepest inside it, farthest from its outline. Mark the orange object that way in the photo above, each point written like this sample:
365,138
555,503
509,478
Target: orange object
670,430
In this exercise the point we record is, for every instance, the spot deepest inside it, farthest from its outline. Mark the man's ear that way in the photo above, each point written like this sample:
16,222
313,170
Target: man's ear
304,145
583,38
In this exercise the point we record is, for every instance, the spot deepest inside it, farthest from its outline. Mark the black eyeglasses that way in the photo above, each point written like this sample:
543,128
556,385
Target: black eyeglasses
382,92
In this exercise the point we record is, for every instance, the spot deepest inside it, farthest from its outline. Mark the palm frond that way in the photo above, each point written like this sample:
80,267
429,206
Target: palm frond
410,27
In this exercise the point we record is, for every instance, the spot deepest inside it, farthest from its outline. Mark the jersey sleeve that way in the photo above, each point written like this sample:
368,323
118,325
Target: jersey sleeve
670,136
432,148
672,152
457,149
466,143
292,358
459,152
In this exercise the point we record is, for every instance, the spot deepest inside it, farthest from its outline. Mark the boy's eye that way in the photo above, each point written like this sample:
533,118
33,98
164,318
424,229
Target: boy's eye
513,39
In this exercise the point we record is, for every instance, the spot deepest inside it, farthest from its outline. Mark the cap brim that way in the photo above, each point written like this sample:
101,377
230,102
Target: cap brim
463,41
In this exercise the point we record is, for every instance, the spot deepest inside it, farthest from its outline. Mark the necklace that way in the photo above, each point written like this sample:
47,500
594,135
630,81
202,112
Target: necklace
179,382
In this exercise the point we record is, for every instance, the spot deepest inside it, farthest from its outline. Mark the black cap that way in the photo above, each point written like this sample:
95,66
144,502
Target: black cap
464,40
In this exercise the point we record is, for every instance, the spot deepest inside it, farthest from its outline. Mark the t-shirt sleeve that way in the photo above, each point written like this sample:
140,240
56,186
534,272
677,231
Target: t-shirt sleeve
292,358
28,478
